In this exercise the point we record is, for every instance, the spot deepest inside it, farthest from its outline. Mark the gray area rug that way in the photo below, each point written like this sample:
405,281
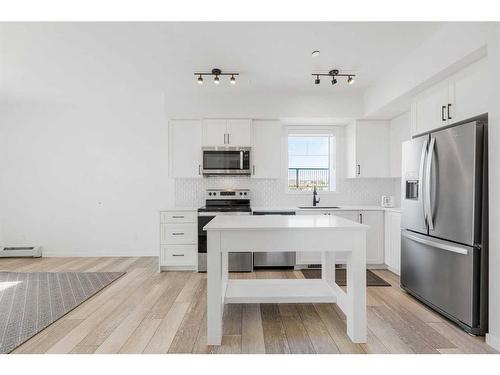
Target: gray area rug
31,301
341,274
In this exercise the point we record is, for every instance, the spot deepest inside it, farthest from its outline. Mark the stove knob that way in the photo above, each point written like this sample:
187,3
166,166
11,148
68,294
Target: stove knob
245,193
241,193
209,193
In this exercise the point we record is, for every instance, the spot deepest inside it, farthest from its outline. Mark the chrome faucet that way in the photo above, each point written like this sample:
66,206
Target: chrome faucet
315,202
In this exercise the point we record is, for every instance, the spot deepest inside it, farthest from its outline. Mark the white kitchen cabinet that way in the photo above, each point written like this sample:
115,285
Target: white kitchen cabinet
185,140
214,132
239,132
374,236
469,92
266,149
392,251
398,133
178,240
227,132
367,149
457,98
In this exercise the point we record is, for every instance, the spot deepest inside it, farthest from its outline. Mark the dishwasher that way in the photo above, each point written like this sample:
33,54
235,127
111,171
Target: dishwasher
285,259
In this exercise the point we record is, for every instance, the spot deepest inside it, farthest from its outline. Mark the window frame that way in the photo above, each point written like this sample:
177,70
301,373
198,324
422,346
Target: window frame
335,158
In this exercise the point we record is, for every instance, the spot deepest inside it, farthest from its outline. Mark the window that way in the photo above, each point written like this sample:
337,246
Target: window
311,162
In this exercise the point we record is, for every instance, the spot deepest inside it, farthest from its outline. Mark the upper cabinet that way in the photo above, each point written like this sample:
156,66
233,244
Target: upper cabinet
398,133
461,96
266,149
185,148
367,149
227,132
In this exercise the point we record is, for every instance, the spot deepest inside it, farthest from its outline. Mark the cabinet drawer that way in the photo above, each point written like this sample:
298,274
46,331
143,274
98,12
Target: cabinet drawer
178,255
178,217
178,234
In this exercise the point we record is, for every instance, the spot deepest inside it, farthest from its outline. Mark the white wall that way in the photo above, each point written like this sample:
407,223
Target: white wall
493,338
85,174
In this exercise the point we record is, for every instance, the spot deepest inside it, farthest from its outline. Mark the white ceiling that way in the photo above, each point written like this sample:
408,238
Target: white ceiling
163,56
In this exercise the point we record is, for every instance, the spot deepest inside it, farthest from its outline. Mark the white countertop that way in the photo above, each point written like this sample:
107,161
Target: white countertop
225,222
341,208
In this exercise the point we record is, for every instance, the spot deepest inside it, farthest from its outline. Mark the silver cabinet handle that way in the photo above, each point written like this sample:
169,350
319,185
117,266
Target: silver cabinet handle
427,195
442,246
253,169
177,217
361,218
228,142
177,255
358,169
199,169
177,234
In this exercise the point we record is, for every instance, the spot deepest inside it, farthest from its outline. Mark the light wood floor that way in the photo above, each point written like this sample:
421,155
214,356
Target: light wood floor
150,312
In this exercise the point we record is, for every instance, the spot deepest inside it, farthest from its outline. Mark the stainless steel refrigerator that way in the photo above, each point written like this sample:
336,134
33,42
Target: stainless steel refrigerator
444,252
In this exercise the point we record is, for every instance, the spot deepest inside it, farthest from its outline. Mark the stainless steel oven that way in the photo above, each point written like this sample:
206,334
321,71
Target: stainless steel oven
226,161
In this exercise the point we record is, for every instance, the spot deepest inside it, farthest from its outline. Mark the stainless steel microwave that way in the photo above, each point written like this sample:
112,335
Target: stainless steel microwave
226,161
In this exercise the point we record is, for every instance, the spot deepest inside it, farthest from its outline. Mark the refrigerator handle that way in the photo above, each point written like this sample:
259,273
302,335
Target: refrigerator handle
438,245
421,178
427,194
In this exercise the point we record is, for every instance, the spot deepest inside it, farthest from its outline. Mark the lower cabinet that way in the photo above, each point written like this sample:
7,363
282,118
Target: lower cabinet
178,240
374,236
393,241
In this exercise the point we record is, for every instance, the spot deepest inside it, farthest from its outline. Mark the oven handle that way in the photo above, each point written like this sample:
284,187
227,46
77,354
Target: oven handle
241,159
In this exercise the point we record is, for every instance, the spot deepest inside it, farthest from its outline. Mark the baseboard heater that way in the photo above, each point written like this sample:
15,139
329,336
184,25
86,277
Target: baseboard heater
20,251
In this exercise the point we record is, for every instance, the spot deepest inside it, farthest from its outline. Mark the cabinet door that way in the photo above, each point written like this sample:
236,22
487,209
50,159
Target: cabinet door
214,132
372,148
185,148
395,230
429,108
266,149
469,92
239,132
374,236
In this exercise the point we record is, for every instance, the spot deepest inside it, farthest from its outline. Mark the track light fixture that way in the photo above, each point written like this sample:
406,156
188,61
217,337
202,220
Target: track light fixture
216,73
333,74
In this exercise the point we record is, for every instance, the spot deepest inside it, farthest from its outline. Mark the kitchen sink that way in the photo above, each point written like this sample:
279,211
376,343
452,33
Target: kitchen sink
318,207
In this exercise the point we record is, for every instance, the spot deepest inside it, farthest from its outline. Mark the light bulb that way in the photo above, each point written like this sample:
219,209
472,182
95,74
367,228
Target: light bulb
317,81
350,80
334,81
216,80
200,80
232,80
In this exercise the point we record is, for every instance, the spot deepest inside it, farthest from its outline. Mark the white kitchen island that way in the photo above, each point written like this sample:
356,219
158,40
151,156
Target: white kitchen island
326,234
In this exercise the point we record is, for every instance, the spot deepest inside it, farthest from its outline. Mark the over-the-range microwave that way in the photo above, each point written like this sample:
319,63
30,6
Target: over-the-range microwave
226,160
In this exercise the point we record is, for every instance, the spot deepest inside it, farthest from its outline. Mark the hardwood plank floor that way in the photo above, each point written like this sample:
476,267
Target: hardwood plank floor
150,312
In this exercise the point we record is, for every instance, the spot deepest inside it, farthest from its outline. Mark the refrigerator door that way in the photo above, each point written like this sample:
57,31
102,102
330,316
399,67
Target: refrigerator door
453,183
441,274
414,153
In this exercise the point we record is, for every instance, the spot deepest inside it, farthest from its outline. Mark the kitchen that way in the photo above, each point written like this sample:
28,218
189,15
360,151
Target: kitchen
235,204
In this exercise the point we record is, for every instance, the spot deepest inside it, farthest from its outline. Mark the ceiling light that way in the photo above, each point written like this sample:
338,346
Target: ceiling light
315,53
216,73
333,74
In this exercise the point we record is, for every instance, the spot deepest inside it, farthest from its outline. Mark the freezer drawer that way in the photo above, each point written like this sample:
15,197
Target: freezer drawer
442,274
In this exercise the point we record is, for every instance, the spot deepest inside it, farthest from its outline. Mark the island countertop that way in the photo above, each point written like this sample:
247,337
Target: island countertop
286,222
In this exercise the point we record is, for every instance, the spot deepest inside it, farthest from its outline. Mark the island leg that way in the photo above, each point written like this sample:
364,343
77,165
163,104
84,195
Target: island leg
214,289
356,291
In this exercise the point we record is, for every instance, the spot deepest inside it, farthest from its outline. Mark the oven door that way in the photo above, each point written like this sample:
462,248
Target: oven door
226,161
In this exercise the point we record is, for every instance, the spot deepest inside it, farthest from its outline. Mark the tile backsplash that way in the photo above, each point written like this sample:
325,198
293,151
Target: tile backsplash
271,192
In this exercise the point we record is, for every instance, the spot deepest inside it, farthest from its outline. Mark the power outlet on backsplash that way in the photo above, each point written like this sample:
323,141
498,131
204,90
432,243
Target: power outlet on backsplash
271,193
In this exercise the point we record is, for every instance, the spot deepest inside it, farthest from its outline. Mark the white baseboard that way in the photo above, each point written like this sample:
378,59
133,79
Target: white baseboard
49,254
493,341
